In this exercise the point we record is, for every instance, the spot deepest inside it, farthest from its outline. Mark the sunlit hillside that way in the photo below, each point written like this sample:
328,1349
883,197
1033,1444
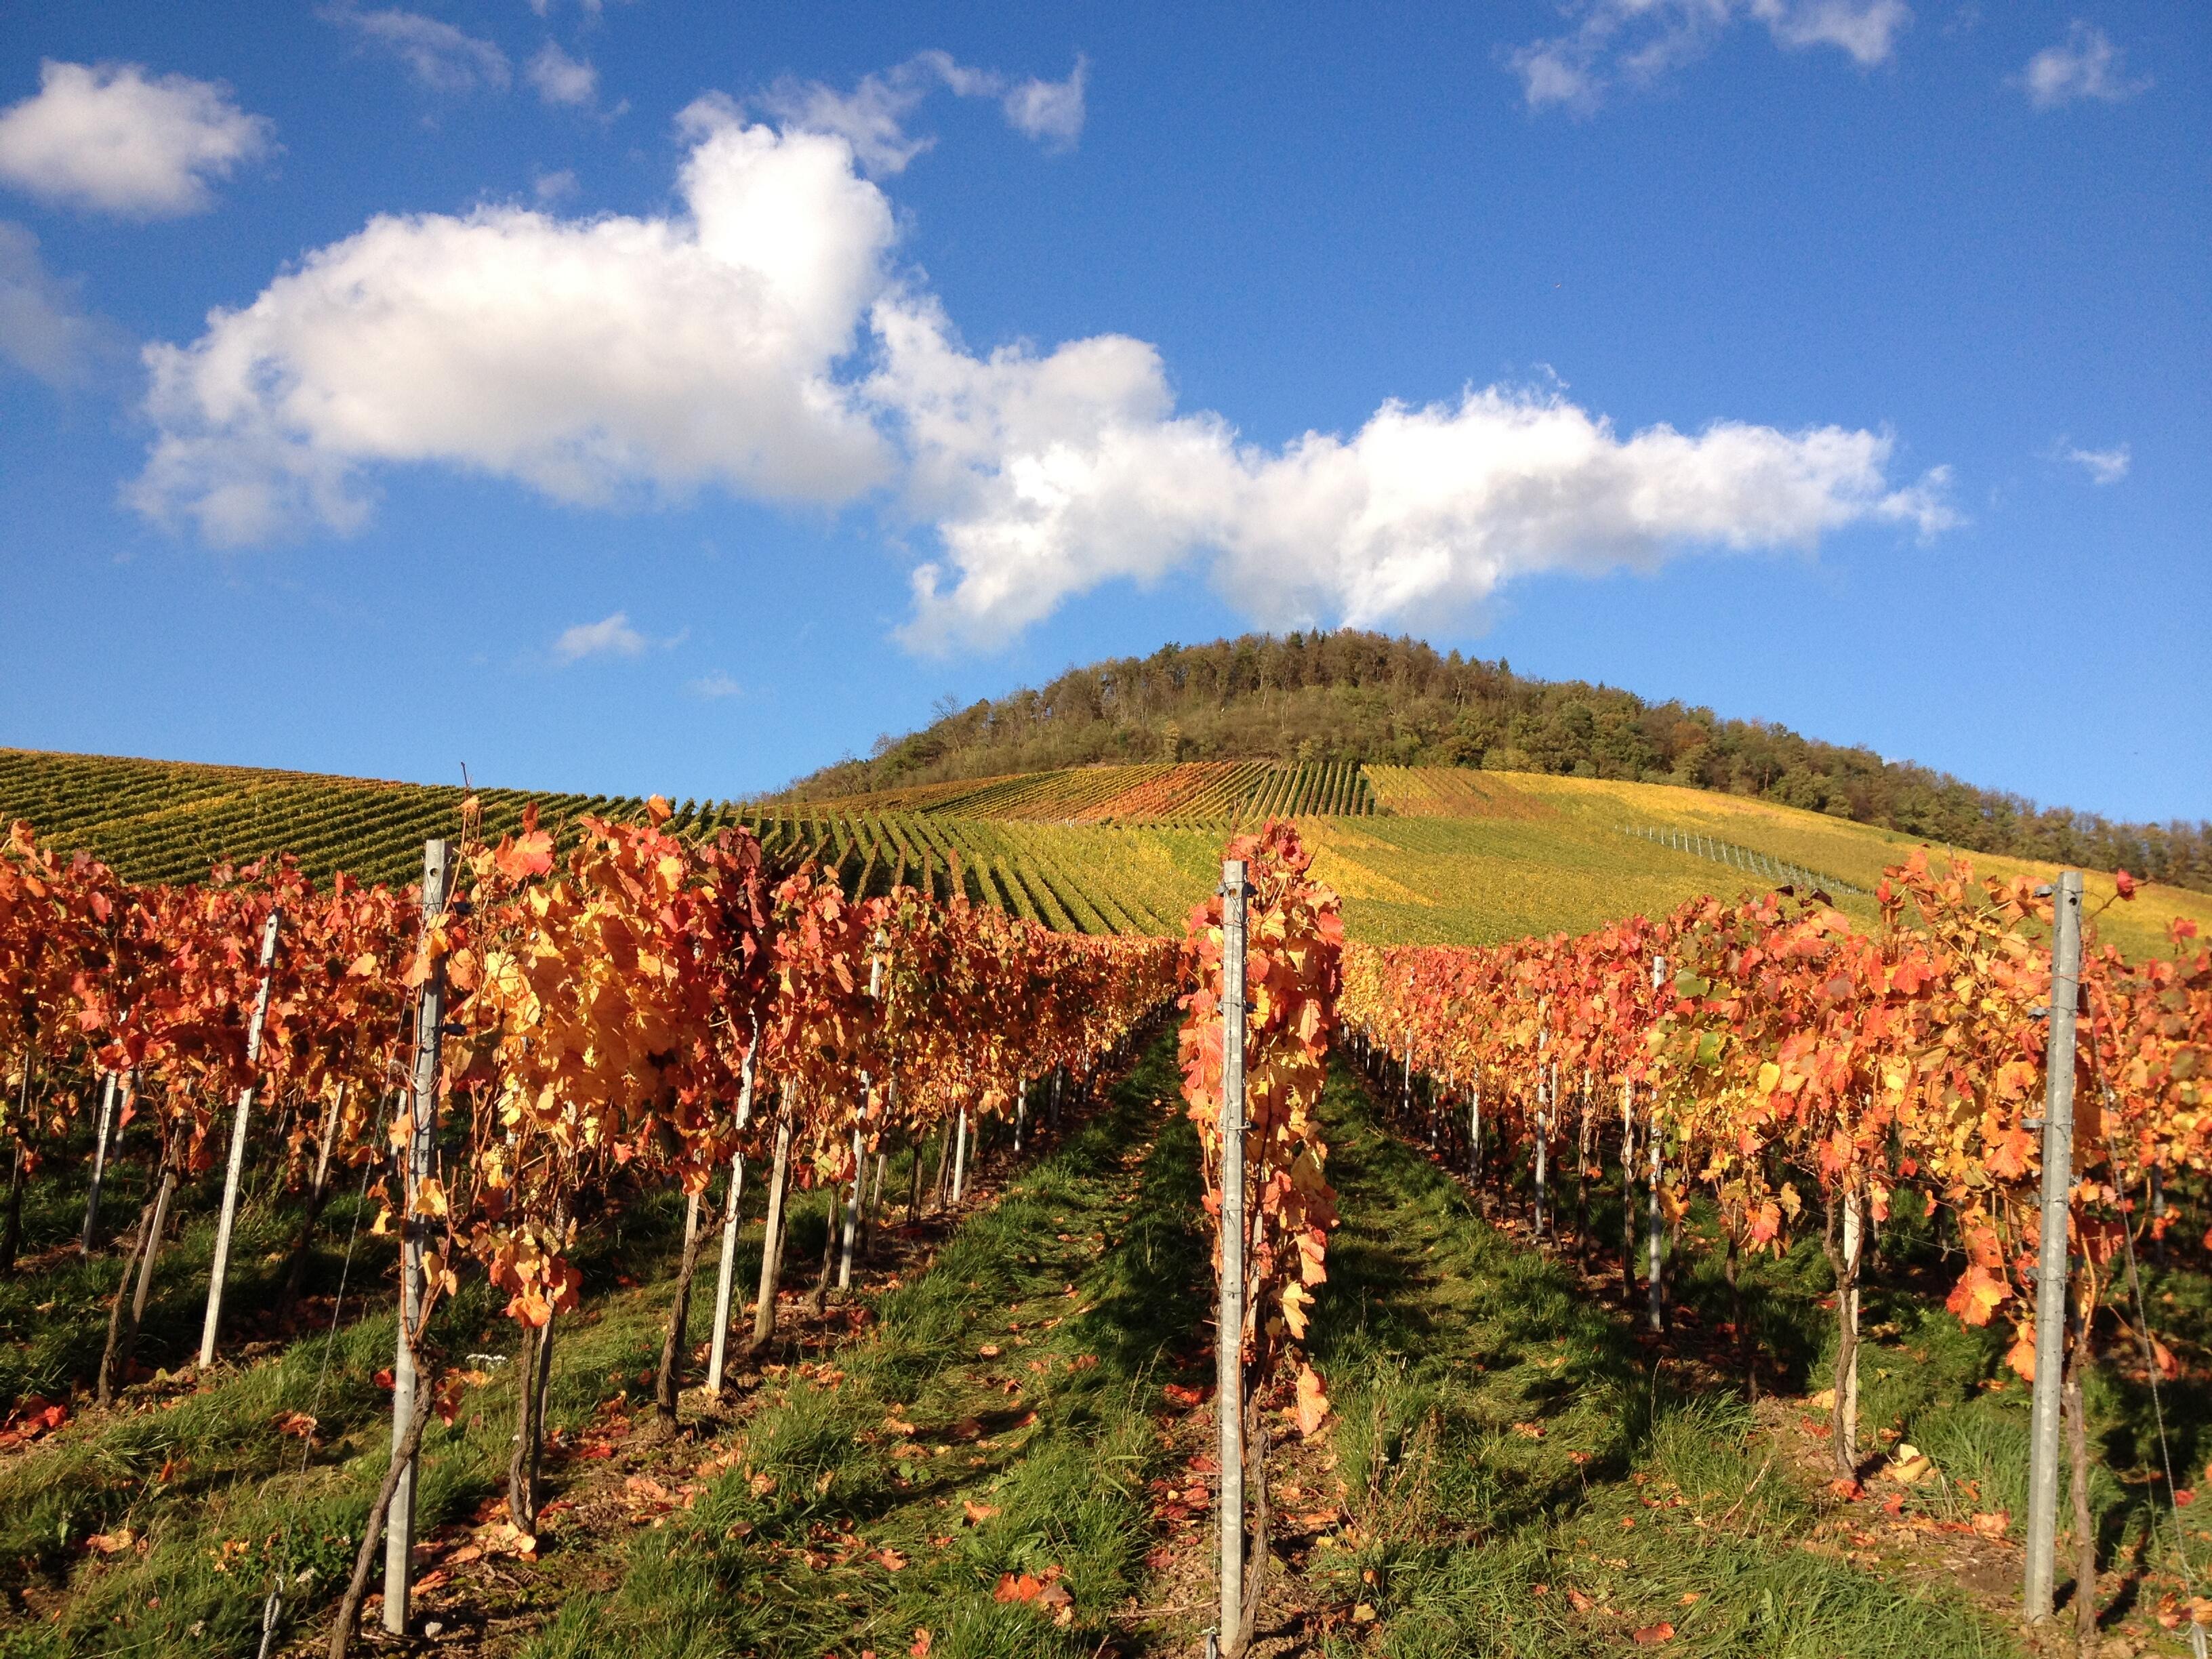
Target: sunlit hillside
1420,854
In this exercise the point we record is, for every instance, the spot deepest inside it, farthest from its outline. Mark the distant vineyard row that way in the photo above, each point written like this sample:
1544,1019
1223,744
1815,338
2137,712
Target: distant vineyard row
1198,792
156,821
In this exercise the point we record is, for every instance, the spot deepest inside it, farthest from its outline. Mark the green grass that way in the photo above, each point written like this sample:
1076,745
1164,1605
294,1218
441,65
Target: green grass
1501,1426
1064,1491
1439,1335
192,1473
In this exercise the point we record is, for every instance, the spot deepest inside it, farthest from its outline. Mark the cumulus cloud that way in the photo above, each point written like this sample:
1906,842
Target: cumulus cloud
586,358
2104,466
45,330
110,138
438,55
2086,64
759,339
872,117
1050,475
1639,42
561,79
610,636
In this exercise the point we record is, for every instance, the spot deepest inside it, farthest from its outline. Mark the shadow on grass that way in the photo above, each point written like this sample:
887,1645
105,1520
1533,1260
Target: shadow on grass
1524,1478
839,1530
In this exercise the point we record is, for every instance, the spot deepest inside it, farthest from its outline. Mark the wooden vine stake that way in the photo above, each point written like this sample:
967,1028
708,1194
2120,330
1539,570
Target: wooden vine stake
217,1272
99,1164
1263,958
718,1352
2051,1274
438,861
861,1130
1654,1247
1229,1391
778,1185
960,1157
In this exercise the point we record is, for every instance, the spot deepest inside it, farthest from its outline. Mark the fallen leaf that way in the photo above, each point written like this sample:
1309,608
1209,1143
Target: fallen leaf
1313,1406
1652,1635
1908,1465
504,1538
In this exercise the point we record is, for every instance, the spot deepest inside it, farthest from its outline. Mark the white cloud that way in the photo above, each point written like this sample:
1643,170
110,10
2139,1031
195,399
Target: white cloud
715,686
438,55
2086,64
617,359
561,79
1051,475
2104,466
611,636
550,187
1050,112
1639,41
873,116
108,137
43,330
588,358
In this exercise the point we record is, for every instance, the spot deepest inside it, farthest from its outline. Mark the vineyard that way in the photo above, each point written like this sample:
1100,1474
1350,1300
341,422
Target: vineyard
1417,855
350,1228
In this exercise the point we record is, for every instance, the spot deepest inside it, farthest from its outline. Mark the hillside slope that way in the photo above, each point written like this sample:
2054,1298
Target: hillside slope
1420,854
1363,698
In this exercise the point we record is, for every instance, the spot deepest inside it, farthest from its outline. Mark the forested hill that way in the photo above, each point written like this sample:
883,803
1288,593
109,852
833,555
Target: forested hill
1358,697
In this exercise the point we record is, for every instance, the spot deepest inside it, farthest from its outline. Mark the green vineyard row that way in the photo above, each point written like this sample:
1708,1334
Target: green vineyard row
166,821
1191,792
1420,854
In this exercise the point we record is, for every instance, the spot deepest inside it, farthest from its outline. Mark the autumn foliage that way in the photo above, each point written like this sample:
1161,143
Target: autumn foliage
1795,1064
1294,943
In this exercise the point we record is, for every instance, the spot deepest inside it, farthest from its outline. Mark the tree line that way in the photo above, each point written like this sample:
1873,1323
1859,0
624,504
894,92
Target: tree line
1350,695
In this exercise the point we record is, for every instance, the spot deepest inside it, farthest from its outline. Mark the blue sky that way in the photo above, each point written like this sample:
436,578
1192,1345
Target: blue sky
645,396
